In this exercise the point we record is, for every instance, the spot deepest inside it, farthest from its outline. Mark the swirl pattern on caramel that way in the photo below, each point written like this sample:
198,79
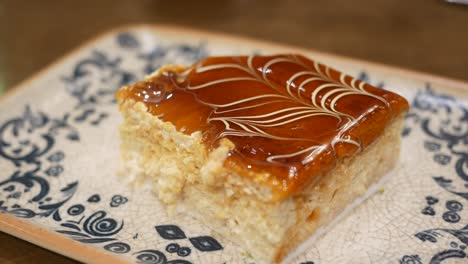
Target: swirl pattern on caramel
291,119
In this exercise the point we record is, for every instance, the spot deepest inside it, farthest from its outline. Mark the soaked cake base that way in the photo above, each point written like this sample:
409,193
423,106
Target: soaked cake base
185,175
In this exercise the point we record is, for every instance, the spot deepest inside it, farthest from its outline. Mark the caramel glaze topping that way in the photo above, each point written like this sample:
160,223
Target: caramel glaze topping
291,119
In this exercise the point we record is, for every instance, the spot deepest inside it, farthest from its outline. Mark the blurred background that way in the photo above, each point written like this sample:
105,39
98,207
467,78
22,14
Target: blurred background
423,35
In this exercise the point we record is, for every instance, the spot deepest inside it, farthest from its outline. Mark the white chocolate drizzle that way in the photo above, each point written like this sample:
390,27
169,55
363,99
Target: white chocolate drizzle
319,101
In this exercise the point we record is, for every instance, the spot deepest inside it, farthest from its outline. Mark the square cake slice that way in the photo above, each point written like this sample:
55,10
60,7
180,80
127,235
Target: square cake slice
267,150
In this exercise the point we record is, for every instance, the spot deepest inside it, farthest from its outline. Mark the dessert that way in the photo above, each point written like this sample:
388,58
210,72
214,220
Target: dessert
265,149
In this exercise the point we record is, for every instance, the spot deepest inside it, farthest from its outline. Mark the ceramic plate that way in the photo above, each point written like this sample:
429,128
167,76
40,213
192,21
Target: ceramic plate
60,189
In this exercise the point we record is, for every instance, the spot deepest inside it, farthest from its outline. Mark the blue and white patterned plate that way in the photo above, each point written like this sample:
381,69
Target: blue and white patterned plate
60,189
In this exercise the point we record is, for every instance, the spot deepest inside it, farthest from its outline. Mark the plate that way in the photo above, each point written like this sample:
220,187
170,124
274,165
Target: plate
59,160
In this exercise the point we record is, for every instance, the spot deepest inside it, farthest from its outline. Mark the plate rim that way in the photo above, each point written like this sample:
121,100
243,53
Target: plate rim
56,242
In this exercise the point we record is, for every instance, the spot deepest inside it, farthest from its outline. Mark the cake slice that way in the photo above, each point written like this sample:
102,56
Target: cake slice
264,149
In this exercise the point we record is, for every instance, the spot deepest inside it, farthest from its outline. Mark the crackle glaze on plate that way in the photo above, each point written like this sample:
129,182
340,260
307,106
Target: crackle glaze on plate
60,189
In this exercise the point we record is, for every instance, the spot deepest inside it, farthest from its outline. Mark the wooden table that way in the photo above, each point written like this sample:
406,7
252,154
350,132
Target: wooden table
429,36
